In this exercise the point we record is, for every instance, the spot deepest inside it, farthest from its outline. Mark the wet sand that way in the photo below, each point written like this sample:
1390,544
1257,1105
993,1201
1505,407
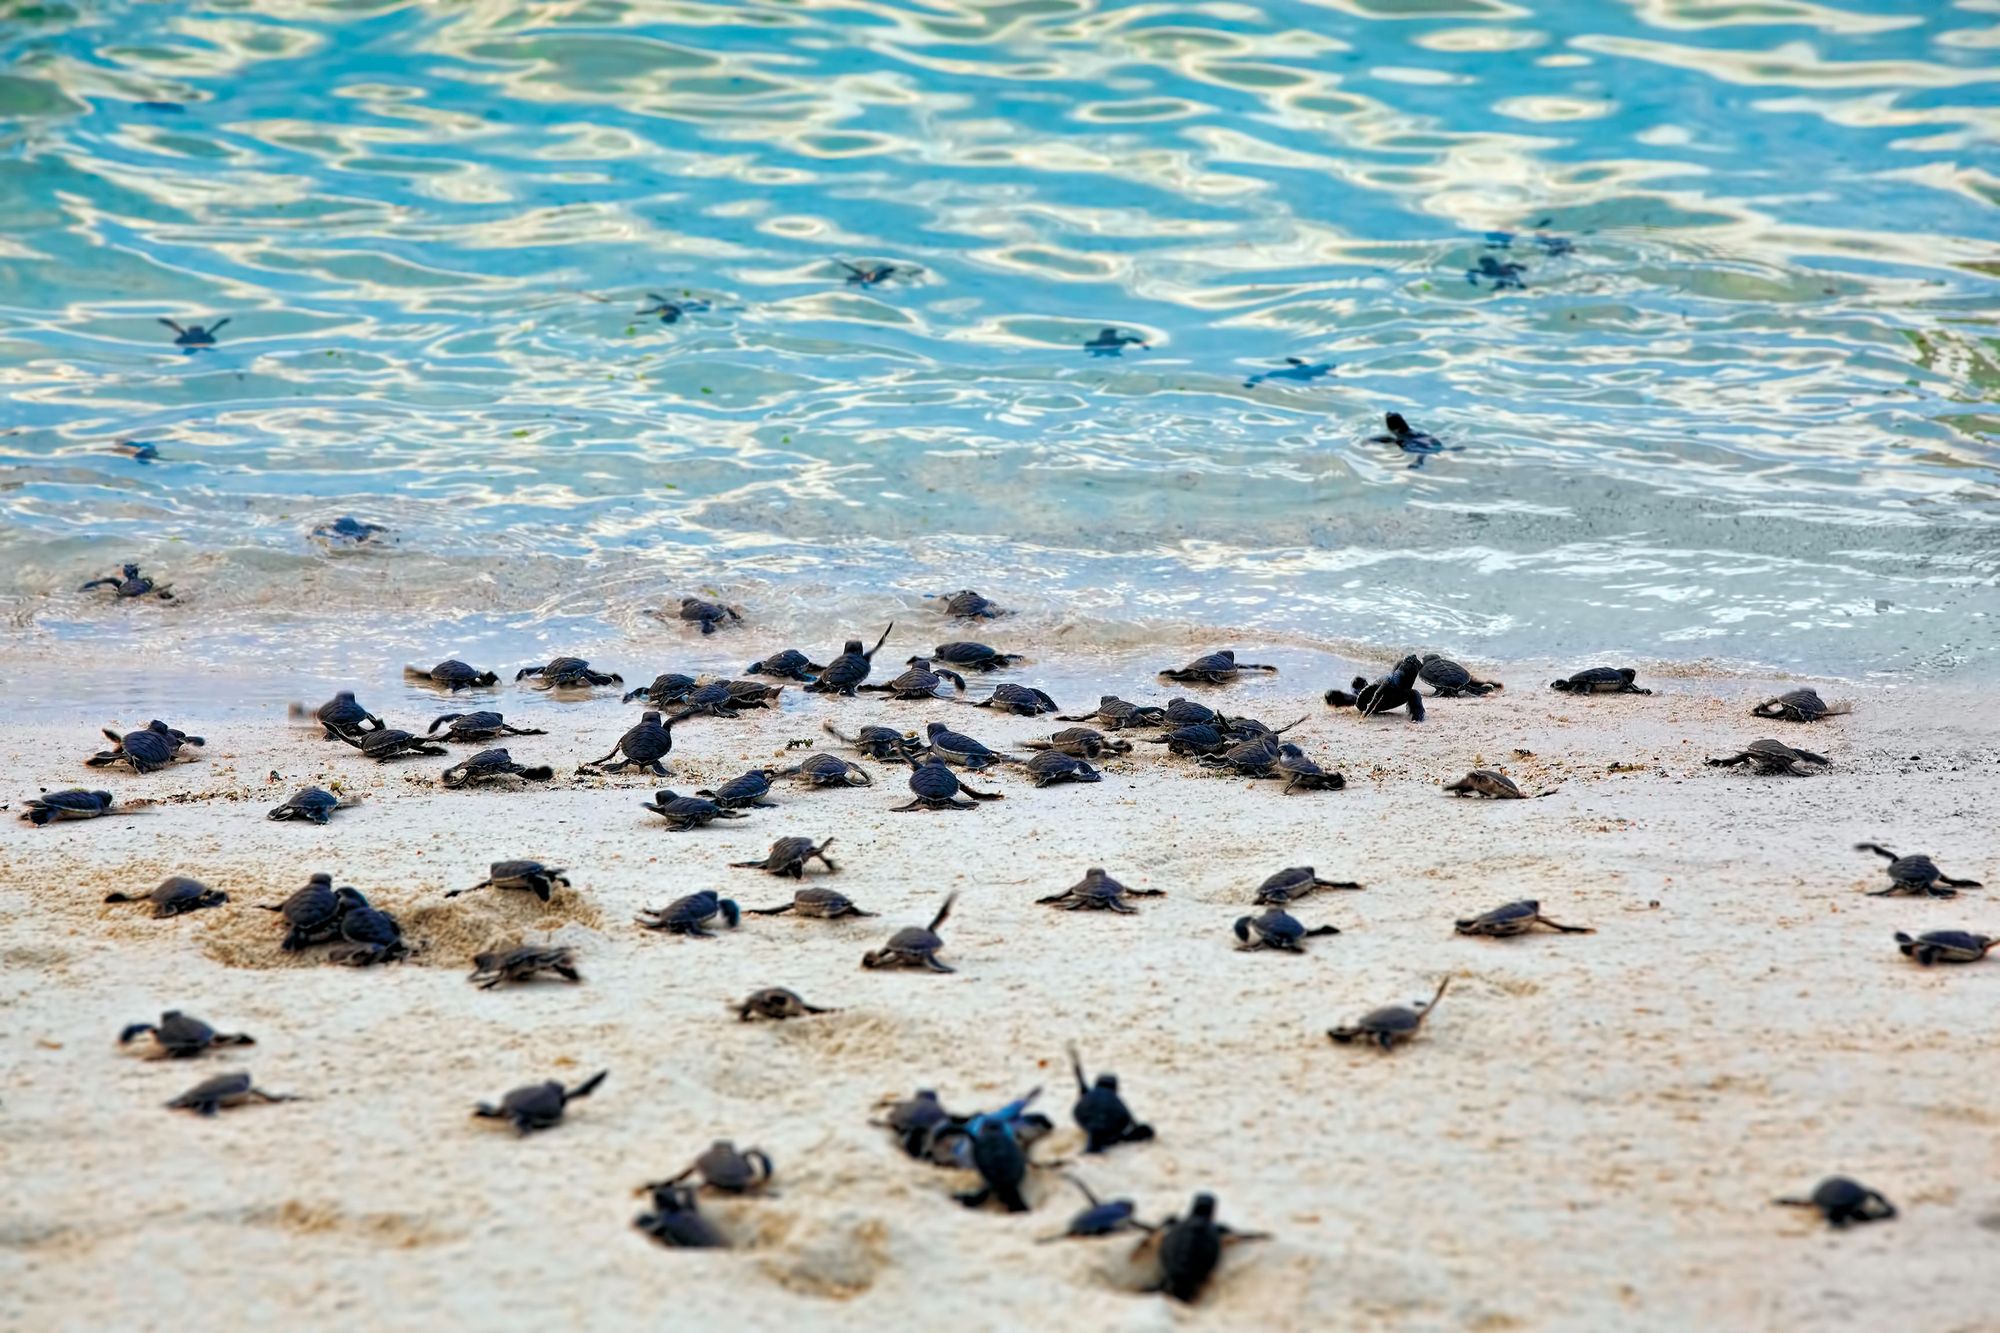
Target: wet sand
1587,1136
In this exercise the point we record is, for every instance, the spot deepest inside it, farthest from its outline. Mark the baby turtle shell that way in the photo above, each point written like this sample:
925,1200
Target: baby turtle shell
1053,766
523,963
1486,782
349,530
708,615
846,672
491,766
1449,680
521,876
775,1003
1600,680
722,1167
830,770
390,743
919,680
790,664
472,728
914,946
538,1105
1189,1249
665,691
973,656
789,856
1419,444
74,803
567,673
1514,919
1303,774
342,715
1104,1217
145,751
1020,700
1915,874
1098,892
745,792
1800,706
883,743
1082,743
368,935
224,1090
1198,738
175,895
821,903
683,813
1293,883
1218,668
1275,928
1001,1162
453,675
966,605
1774,757
1945,946
129,582
309,803
1842,1201
177,1036
1101,1113
954,747
1397,689
1390,1026
690,915
935,787
676,1222
641,747
1115,714
312,914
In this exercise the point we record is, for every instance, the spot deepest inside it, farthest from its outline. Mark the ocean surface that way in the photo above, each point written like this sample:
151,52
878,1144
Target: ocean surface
1700,300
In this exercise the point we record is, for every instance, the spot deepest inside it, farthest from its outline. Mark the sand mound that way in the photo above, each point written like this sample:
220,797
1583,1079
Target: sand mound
440,933
835,1257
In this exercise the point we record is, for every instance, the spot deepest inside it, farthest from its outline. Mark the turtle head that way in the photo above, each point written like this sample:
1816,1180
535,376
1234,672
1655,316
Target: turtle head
1396,424
1629,674
1410,665
1429,658
1203,1207
322,878
131,571
350,897
650,715
1108,1082
852,648
730,911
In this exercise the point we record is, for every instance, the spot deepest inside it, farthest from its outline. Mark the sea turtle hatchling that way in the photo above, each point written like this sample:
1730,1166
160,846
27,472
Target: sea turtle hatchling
312,914
177,1036
670,311
1052,766
566,673
790,856
492,766
1419,444
1842,1201
451,674
1111,342
675,1221
1449,680
934,786
1504,274
1100,1111
830,770
713,699
538,1105
343,715
1774,757
347,530
522,876
1486,782
1115,714
144,751
1196,738
1183,712
1098,892
1915,874
666,690
1303,774
1083,743
473,728
965,604
1275,928
1397,689
1390,1026
820,903
1217,668
1600,680
883,743
225,1090
1514,919
1103,1217
1001,1161
1945,946
743,792
129,582
868,275
195,335
721,1167
1020,700
1253,758
1189,1249
314,804
368,935
776,1004
72,803
788,664
690,915
1293,883
176,895
844,674
642,746
955,747
914,946
1800,706
1296,370
919,680
683,813
709,615
973,656
523,962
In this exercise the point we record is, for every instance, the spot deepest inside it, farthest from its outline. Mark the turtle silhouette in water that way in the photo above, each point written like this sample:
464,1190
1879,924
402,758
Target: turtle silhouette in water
391,743
143,751
683,813
1111,342
870,275
790,856
1295,371
224,1091
178,1036
1916,875
313,804
567,673
520,876
670,310
1600,680
1945,946
1053,766
139,451
347,530
1397,689
1102,1217
844,674
914,946
1275,928
74,803
1081,743
744,792
776,1004
1487,782
711,616
690,915
1514,919
1189,1249
788,664
538,1106
175,896
973,656
675,1221
452,674
1116,714
523,962
642,747
1390,1026
1449,680
129,582
1218,668
1020,700
965,604
1502,273
195,335
883,743
473,728
665,691
1421,445
1774,757
343,715
722,1167
1098,892
1101,1113
1800,706
1841,1201
492,766
830,770
919,680
934,786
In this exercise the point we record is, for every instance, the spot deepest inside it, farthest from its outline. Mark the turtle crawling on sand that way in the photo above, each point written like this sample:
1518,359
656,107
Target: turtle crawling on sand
884,743
129,582
683,813
775,1003
1945,946
144,751
177,894
523,962
787,664
914,946
368,935
473,728
790,856
1098,892
538,1105
722,1167
830,770
642,746
1397,689
1303,774
1915,874
1082,743
1449,680
1293,883
919,680
1800,706
666,690
1275,928
1217,668
934,786
1486,782
691,914
1514,919
844,674
342,713
567,673
73,803
746,791
818,902
1020,700
1390,1026
314,804
955,747
973,656
1114,714
1600,680
1842,1201
224,1090
676,1221
493,766
1774,757
1101,1112
312,914
1103,1217
1189,1249
391,743
521,876
1053,766
453,675
177,1036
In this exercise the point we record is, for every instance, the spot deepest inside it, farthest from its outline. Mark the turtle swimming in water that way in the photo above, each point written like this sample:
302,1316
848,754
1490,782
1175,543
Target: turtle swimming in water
642,747
1097,891
1104,1217
788,664
1504,274
1842,1201
745,792
1053,766
1391,1025
919,680
776,1004
1293,883
314,804
195,335
722,1167
348,529
1275,928
830,770
176,894
523,962
1081,743
1774,757
1449,680
1115,714
1945,946
225,1090
683,813
1514,919
521,876
973,656
671,310
129,582
1486,782
883,743
1110,342
390,743
709,615
934,786
1420,444
790,856
177,1036
152,748
1600,680
472,728
342,715
1101,1113
567,673
846,672
1397,689
1915,874
1218,668
914,946
453,675
665,691
1294,370
869,275
965,604
538,1105
955,747
74,803
1800,706
492,766
1020,700
676,1221
690,914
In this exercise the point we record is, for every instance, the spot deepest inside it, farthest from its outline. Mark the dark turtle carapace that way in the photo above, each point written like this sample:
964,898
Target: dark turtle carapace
955,747
1802,705
1114,714
1774,757
178,1036
451,674
788,664
391,743
566,673
1101,1113
538,1105
343,716
1303,774
521,876
914,946
523,962
918,680
775,1004
476,728
368,935
176,895
1097,891
746,791
790,856
492,766
1517,918
642,746
1293,883
683,813
1189,1249
1487,782
312,804
1102,1217
1842,1201
675,1221
844,674
347,530
883,743
1600,680
1053,766
225,1090
1111,341
721,1166
1916,875
690,914
1020,700
965,604
1449,680
1082,743
195,335
1390,1026
934,786
73,803
1417,443
1217,668
150,748
974,656
312,914
1396,689
666,690
710,616
1275,928
129,582
830,770
1945,946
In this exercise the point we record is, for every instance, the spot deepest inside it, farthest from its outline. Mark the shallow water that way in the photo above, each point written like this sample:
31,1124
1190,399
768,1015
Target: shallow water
1749,416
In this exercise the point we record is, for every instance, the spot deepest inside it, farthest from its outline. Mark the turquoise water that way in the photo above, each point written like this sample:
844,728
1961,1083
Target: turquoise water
1741,408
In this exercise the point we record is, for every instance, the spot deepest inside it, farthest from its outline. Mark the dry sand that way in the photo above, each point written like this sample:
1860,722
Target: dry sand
1586,1137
